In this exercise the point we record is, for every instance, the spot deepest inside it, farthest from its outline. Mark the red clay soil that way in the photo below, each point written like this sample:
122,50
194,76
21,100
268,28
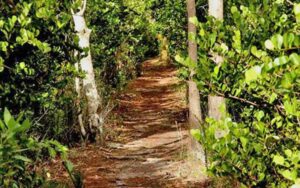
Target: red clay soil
150,143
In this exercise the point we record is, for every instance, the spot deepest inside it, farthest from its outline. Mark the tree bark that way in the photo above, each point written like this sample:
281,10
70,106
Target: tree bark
195,113
89,89
215,102
216,8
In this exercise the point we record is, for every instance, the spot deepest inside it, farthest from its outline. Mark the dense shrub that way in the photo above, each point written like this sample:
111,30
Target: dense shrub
36,59
19,153
171,22
258,140
122,38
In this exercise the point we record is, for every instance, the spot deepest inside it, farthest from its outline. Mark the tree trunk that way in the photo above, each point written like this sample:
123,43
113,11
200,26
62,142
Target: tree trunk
214,102
195,114
89,89
216,8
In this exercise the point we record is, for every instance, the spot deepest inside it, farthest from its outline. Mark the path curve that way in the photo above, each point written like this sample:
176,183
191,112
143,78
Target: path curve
150,146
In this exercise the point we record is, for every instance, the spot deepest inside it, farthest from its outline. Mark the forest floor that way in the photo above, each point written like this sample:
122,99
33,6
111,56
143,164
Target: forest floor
148,143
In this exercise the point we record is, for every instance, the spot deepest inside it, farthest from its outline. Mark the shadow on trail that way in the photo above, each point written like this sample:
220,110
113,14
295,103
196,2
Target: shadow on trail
151,147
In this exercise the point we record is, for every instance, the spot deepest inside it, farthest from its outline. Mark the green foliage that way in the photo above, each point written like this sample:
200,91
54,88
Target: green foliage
20,153
122,38
258,142
76,176
36,57
171,21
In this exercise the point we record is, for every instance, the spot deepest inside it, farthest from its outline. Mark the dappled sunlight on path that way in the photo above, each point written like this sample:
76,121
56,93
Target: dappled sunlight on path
150,149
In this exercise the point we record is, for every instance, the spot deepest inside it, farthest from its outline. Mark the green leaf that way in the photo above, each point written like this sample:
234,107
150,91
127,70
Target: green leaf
281,61
244,142
259,115
289,175
202,32
193,20
212,38
196,133
273,97
291,106
179,59
69,166
253,74
297,11
7,116
233,9
12,124
25,126
1,24
216,71
288,39
12,22
52,152
295,58
288,153
3,46
2,126
22,65
269,45
278,159
277,41
1,64
256,53
22,158
287,81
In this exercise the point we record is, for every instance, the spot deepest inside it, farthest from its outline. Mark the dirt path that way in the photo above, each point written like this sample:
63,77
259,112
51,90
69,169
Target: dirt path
149,146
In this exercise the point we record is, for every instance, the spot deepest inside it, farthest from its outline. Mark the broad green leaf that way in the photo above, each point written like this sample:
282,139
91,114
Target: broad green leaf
291,106
289,175
233,9
269,45
295,58
179,59
277,41
253,74
259,115
12,124
24,127
281,61
288,152
297,11
288,39
278,159
22,65
3,46
256,53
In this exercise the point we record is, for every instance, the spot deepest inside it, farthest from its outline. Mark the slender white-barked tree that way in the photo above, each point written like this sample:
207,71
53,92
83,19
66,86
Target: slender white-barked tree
215,102
86,88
